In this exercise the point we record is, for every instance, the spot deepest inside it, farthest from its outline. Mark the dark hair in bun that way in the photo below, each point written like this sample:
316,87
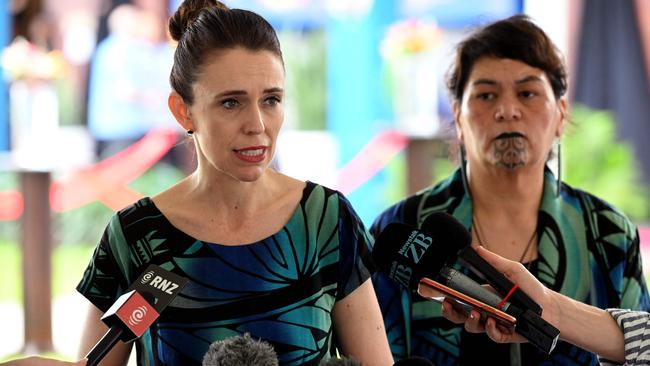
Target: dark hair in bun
204,26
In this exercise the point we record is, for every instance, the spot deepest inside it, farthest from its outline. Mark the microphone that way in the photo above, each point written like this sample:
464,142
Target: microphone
459,281
134,312
413,361
408,255
240,351
461,239
340,362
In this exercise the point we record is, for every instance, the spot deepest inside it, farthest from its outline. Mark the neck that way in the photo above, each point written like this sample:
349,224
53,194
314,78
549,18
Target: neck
508,192
505,206
227,195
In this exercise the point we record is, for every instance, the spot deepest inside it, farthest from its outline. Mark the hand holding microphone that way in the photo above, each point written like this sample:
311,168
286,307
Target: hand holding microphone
413,258
526,281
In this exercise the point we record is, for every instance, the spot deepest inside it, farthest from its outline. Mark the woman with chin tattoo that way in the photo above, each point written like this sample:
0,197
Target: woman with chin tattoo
508,84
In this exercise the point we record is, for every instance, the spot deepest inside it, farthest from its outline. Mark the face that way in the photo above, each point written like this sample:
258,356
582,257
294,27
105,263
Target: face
237,112
508,116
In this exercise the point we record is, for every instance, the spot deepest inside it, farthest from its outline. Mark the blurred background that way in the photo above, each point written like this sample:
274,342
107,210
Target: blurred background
84,126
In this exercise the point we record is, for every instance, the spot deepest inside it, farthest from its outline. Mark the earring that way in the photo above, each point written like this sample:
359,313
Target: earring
463,169
189,132
559,169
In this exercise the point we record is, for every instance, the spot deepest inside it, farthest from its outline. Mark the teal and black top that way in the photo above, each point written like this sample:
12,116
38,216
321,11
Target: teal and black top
281,289
587,250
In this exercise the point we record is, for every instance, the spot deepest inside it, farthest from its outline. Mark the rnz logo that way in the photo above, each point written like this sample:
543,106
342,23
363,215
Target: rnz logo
164,285
159,282
147,277
137,315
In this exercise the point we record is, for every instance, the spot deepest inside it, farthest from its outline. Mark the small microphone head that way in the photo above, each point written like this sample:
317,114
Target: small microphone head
413,361
407,255
240,351
340,362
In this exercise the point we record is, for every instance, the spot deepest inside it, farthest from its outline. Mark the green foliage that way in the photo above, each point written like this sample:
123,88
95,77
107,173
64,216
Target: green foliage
442,168
9,229
83,225
68,265
155,180
304,57
395,181
594,161
86,224
10,269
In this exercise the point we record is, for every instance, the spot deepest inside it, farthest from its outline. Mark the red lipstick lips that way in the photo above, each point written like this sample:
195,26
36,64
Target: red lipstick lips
253,154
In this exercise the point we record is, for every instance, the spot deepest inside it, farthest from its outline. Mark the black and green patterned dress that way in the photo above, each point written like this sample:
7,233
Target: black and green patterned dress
587,250
281,289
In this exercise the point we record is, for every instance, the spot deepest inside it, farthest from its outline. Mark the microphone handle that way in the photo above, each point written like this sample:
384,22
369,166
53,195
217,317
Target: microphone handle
104,345
481,267
458,281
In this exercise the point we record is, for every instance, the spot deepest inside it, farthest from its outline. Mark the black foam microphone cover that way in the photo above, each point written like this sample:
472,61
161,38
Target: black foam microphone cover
413,361
407,254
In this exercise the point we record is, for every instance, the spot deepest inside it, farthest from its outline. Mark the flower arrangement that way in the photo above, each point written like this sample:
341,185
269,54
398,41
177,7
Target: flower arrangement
22,60
411,50
410,37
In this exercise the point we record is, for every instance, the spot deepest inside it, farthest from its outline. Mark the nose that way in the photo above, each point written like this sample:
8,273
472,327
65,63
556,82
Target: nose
507,110
254,123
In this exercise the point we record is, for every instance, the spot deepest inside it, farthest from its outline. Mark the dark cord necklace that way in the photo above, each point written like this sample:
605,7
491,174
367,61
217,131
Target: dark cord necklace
515,348
482,243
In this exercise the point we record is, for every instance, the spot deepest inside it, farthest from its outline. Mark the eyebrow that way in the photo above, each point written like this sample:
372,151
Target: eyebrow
527,79
243,92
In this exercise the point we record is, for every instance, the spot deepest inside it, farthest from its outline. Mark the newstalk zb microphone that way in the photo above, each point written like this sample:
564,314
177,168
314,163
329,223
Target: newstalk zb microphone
407,255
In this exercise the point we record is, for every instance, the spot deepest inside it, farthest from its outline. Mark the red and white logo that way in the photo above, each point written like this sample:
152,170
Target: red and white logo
137,314
147,277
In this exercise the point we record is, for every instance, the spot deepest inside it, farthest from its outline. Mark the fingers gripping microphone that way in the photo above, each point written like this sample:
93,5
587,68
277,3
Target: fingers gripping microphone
134,312
407,255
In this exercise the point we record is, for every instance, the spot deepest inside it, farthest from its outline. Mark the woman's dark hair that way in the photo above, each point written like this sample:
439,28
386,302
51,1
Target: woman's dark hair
516,38
202,27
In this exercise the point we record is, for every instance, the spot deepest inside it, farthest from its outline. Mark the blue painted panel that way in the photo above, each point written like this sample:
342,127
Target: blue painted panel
5,34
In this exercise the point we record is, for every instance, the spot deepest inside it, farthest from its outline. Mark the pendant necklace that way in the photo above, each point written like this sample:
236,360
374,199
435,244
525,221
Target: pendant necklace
482,243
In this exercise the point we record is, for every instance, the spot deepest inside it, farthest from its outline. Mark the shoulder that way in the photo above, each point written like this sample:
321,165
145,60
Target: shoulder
404,211
330,196
133,222
599,211
142,208
443,196
328,205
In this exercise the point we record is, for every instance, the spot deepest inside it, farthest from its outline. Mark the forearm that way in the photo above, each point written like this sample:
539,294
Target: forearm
93,331
589,327
360,327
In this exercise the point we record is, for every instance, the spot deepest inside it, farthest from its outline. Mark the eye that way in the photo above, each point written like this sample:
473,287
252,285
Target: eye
273,100
486,96
527,94
229,103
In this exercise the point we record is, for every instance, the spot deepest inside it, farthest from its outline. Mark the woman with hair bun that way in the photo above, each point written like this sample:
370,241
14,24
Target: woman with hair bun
281,259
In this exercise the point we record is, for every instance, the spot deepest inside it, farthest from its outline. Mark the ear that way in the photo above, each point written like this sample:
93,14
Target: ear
456,111
562,105
180,110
